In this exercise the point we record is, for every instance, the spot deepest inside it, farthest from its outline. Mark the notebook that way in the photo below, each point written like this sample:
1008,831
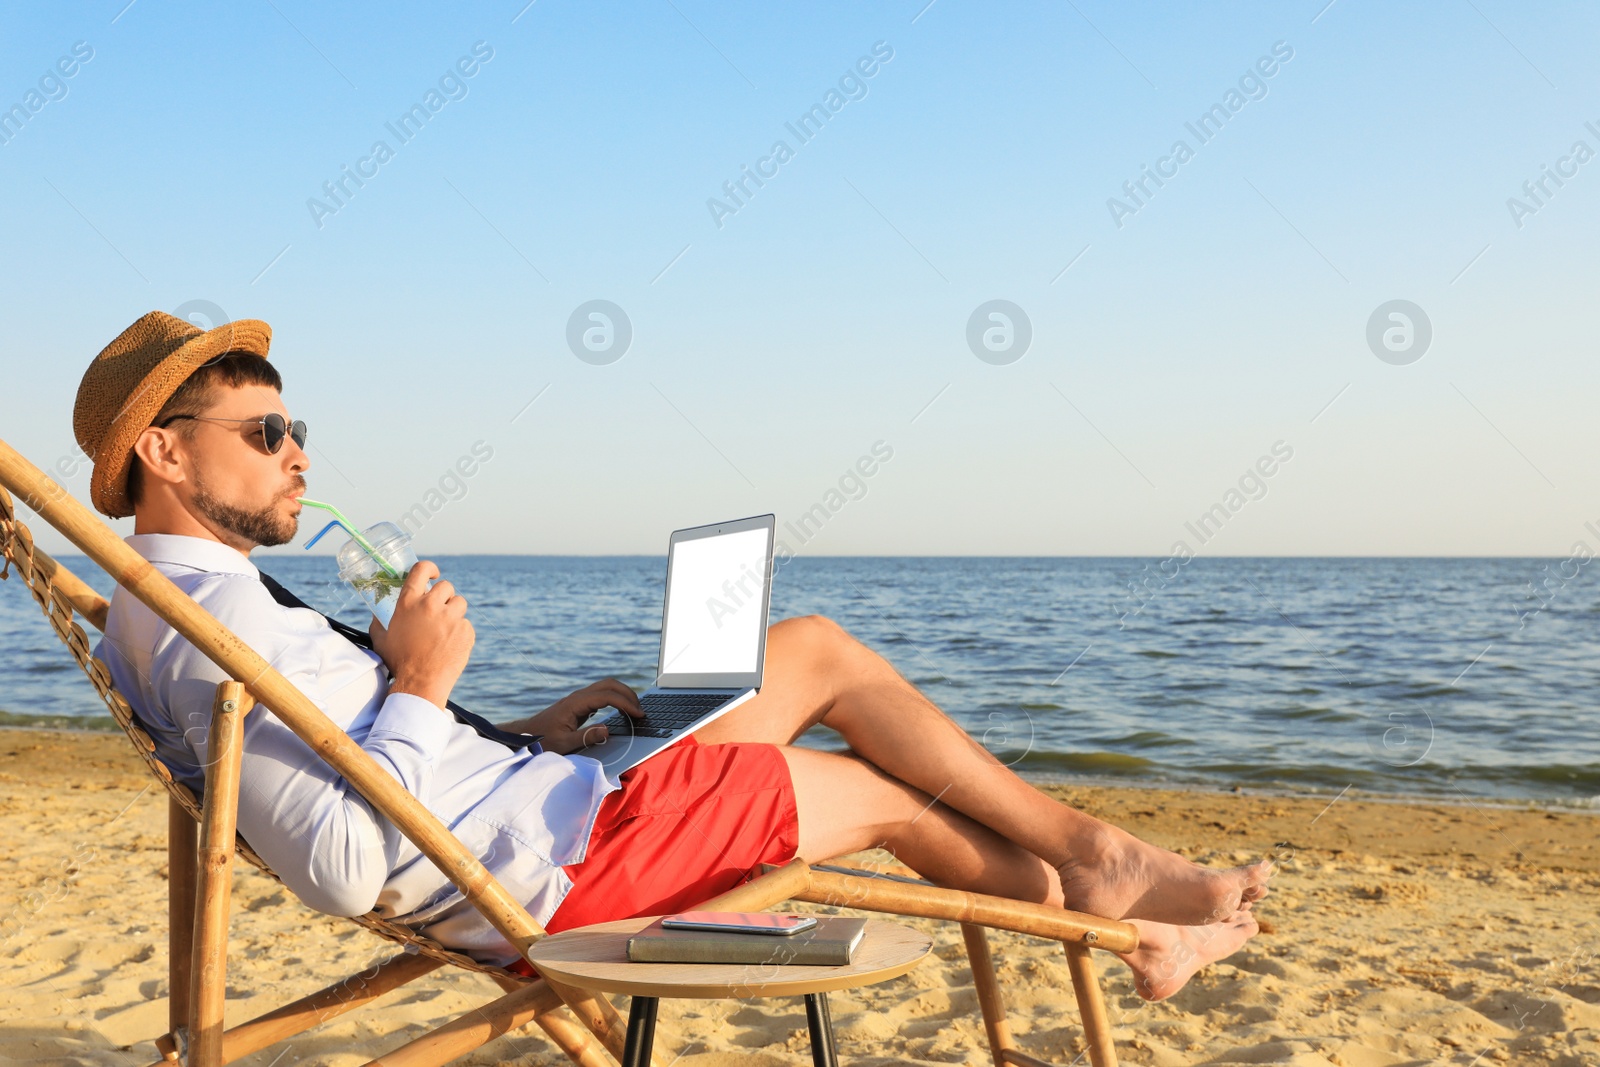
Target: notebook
830,943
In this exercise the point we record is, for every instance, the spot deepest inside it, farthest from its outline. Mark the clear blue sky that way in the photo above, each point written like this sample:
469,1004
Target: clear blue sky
770,353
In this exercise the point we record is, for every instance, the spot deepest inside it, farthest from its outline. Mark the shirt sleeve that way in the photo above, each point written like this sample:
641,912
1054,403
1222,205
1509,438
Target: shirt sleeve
326,842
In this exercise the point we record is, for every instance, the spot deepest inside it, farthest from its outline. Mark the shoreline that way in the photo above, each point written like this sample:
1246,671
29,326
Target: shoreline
1187,818
1049,780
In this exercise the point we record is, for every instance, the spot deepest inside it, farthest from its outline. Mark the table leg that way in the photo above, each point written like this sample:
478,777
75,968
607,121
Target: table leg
821,1025
641,1031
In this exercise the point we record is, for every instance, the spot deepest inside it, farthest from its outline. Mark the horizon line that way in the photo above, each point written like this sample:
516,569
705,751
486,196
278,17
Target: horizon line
945,555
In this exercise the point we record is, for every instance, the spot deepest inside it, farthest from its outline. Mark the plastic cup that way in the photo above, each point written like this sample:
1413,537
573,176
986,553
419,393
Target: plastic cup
378,589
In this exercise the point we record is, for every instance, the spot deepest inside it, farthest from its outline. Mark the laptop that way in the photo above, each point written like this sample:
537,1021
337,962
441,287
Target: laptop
713,640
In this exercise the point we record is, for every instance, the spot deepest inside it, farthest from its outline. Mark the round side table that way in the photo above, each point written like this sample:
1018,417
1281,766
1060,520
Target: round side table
596,958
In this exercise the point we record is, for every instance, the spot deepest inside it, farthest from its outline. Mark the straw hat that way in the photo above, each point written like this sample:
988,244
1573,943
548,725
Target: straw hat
129,381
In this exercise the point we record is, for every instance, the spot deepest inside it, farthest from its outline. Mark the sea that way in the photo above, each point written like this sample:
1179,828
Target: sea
1462,680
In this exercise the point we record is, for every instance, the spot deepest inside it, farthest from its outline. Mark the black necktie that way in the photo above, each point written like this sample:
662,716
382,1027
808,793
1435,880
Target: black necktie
483,726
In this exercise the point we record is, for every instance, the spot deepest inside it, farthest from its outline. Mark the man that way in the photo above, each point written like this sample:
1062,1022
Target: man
190,435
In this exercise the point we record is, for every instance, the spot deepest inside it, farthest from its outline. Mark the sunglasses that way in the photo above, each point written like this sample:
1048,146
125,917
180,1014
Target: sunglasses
274,428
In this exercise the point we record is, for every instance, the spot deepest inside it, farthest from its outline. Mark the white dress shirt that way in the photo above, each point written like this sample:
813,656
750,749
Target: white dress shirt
524,815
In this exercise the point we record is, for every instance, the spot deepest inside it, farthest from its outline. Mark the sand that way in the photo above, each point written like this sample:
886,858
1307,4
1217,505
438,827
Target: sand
1396,934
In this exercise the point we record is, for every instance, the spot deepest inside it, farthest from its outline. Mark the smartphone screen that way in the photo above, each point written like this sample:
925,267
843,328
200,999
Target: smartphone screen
739,921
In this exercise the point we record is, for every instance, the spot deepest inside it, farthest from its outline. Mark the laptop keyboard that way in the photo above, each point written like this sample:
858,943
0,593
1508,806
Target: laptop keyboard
665,714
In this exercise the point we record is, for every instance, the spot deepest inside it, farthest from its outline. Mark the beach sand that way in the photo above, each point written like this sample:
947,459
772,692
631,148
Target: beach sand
1395,934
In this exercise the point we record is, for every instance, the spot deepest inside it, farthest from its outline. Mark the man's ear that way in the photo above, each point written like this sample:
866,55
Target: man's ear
160,450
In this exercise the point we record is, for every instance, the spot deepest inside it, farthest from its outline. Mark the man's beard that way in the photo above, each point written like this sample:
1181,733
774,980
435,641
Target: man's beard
265,526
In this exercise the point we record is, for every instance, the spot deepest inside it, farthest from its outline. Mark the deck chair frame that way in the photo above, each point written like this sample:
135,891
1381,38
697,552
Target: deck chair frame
202,842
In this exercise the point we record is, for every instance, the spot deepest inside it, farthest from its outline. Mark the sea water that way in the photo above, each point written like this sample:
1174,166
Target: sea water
1452,678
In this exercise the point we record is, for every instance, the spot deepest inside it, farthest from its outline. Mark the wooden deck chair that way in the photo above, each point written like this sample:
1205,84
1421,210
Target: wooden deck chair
202,842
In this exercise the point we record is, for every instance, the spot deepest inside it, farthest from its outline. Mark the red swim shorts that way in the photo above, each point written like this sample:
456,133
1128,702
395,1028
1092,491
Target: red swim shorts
688,824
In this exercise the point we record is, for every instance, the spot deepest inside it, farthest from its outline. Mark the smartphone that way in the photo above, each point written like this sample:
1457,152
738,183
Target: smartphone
743,922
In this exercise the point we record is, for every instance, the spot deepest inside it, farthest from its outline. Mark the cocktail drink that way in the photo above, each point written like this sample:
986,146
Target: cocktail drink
376,586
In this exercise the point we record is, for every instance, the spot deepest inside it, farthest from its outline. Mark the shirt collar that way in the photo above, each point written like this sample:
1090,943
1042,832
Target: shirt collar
200,553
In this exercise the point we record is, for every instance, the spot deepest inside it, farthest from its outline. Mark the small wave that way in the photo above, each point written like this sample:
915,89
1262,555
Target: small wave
1162,700
21,720
1088,762
1307,774
1316,714
925,681
1428,692
1151,739
1155,653
1585,777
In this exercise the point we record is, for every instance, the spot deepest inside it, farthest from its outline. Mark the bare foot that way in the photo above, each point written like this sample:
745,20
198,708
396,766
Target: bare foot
1168,956
1117,876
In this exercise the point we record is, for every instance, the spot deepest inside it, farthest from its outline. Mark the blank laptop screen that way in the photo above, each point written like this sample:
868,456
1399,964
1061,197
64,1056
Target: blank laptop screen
714,604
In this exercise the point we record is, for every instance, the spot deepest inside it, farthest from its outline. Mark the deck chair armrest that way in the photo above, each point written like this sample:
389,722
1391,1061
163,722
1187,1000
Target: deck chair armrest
899,895
902,897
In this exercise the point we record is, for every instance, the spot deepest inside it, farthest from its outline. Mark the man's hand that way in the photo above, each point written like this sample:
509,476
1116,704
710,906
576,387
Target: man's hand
427,642
560,722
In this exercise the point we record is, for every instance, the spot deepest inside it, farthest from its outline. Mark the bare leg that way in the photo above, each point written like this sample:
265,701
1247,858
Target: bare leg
817,673
847,805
